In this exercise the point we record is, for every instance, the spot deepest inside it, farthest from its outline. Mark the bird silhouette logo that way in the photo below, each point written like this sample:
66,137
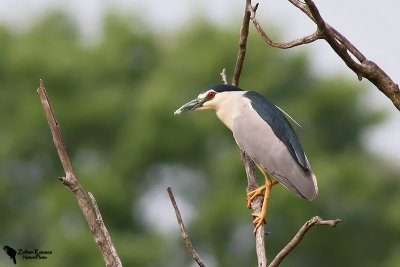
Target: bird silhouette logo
11,252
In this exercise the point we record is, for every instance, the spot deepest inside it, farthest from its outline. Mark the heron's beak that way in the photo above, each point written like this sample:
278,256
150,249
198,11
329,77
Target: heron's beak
194,104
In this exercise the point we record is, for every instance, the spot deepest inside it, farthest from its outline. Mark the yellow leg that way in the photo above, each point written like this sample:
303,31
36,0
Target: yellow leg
259,218
257,192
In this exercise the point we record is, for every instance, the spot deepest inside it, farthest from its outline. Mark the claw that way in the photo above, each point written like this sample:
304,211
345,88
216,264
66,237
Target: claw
253,194
258,220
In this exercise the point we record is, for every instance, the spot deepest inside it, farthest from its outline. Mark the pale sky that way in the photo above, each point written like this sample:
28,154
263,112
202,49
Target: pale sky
372,26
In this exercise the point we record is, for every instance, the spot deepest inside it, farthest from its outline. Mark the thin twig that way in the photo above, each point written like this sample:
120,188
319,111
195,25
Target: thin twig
55,130
303,7
244,32
305,40
185,236
223,76
299,236
101,237
366,68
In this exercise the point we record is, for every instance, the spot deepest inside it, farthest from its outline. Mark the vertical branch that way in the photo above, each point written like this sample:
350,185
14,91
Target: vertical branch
248,163
96,224
256,207
55,130
244,32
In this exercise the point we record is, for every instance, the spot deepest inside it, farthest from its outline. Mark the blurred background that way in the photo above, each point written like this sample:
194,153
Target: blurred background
115,71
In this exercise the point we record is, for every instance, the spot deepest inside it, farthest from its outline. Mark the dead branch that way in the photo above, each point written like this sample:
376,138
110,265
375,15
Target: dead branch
299,236
185,236
248,163
305,40
223,76
244,32
99,219
93,218
256,206
363,67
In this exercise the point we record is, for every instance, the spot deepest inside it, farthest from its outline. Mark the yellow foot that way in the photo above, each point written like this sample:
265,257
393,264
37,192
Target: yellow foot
259,218
253,194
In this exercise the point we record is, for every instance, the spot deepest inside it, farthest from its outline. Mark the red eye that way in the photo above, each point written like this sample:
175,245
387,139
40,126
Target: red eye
211,94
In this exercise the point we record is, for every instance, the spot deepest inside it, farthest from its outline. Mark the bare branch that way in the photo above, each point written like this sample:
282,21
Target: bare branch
347,44
299,236
185,236
101,236
363,67
367,69
223,76
244,32
302,6
55,130
305,40
256,207
99,219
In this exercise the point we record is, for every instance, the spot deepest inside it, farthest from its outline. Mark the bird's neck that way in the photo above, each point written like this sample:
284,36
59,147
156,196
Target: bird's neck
226,118
225,109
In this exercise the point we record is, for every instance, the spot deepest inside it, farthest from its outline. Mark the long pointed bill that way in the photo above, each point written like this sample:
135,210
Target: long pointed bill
194,104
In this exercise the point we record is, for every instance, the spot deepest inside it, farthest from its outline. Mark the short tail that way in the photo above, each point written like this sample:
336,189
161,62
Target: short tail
306,187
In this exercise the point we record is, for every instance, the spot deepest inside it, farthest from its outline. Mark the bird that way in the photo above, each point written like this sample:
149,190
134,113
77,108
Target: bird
11,252
263,132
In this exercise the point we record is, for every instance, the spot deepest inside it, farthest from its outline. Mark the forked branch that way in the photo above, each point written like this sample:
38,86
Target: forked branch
363,67
305,40
93,217
299,236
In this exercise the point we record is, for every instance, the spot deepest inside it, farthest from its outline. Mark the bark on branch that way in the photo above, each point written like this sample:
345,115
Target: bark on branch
244,32
93,217
299,236
185,235
256,206
305,40
363,67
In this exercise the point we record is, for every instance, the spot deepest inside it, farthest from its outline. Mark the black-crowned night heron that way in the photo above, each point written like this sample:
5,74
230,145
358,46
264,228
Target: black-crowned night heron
260,129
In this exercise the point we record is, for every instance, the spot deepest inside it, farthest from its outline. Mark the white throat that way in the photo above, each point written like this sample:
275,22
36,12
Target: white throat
226,105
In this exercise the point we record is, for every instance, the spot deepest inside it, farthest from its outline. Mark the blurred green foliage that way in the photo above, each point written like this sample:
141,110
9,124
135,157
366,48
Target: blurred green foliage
114,101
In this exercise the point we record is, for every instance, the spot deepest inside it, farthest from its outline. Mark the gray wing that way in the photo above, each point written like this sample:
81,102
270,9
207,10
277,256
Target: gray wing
282,159
279,124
